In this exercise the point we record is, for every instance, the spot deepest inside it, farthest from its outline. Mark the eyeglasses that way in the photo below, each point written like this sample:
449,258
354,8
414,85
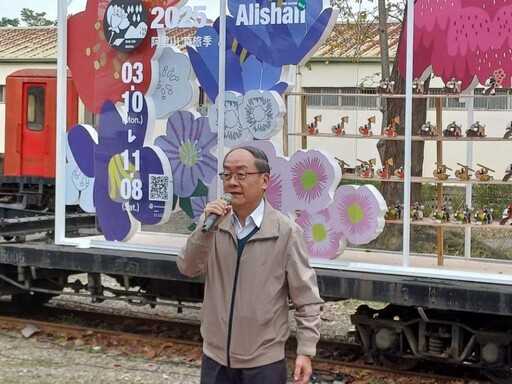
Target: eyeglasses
226,176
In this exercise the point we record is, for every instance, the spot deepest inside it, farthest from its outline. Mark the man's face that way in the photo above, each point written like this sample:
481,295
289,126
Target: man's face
249,191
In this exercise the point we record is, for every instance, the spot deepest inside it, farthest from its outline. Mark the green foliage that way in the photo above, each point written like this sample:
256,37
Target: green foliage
496,197
35,19
492,196
6,22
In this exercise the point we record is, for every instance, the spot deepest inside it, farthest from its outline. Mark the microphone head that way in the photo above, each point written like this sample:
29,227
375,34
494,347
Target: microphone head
227,197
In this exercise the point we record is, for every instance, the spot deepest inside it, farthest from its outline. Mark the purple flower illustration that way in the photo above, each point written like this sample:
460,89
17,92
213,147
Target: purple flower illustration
131,181
358,212
198,204
322,240
187,145
314,176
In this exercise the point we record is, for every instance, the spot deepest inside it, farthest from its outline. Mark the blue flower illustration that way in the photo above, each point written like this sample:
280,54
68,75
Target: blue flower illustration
278,33
243,71
133,182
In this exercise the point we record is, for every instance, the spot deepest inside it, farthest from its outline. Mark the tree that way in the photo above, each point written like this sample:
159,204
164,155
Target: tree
35,19
387,11
6,22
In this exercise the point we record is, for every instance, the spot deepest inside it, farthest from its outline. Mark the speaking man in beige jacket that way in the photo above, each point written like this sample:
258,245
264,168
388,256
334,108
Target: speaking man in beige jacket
255,261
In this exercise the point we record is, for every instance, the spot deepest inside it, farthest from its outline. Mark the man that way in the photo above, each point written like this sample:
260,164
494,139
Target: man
254,260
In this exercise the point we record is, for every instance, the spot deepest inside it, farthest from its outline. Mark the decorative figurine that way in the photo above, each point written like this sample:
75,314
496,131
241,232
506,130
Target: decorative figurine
366,130
508,132
386,86
506,216
428,130
417,211
385,171
463,216
394,212
463,173
392,129
483,173
365,170
490,86
476,130
418,86
484,216
442,215
339,129
312,127
508,173
453,130
343,165
399,172
453,86
440,172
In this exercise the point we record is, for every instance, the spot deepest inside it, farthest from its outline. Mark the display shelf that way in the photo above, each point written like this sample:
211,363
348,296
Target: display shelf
399,138
428,222
416,179
351,133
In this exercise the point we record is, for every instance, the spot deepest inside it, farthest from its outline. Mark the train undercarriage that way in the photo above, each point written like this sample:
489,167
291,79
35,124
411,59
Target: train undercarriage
402,337
30,288
27,206
458,324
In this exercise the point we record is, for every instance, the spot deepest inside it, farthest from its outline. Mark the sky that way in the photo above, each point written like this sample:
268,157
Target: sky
12,8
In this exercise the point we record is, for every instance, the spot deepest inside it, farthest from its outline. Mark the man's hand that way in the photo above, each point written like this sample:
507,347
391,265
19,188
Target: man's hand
218,207
303,369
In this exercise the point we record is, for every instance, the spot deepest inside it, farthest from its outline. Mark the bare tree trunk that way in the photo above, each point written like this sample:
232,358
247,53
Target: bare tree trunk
384,55
389,149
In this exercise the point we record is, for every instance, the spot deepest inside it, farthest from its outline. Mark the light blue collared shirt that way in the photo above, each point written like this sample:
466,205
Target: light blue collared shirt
253,220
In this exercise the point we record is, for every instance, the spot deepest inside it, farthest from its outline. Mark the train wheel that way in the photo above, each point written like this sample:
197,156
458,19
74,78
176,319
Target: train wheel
384,339
7,238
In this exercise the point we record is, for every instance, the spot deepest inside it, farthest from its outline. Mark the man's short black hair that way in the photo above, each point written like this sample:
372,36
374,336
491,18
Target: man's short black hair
260,158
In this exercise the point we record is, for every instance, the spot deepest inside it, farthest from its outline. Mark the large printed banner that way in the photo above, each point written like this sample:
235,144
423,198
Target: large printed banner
464,42
139,64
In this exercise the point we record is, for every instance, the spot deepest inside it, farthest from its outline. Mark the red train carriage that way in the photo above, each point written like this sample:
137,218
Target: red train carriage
31,96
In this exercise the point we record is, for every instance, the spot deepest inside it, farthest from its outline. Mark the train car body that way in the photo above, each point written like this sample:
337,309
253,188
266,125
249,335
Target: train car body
27,180
31,122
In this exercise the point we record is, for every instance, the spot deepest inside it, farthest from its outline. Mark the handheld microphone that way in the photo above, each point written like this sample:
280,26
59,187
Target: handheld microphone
212,218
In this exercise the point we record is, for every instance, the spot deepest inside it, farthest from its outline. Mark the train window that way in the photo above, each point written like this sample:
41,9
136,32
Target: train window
2,93
35,108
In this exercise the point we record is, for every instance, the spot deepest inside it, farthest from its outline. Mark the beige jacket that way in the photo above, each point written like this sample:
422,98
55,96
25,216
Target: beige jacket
273,266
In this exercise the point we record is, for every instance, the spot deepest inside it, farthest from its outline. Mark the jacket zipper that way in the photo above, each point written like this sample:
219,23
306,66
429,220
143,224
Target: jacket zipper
232,309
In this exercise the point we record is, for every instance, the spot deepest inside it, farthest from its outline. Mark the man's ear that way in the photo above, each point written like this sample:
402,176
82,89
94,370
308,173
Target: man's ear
266,181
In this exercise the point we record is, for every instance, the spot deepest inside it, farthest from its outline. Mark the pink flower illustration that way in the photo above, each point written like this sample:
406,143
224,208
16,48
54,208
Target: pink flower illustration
358,213
322,240
314,176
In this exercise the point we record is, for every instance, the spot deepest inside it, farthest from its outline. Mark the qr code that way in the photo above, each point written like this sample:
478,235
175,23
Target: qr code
159,188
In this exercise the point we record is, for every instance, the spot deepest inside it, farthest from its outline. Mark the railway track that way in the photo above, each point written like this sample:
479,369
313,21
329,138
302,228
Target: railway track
151,337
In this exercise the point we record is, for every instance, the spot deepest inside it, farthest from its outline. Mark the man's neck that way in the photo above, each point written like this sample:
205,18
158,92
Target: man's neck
243,214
